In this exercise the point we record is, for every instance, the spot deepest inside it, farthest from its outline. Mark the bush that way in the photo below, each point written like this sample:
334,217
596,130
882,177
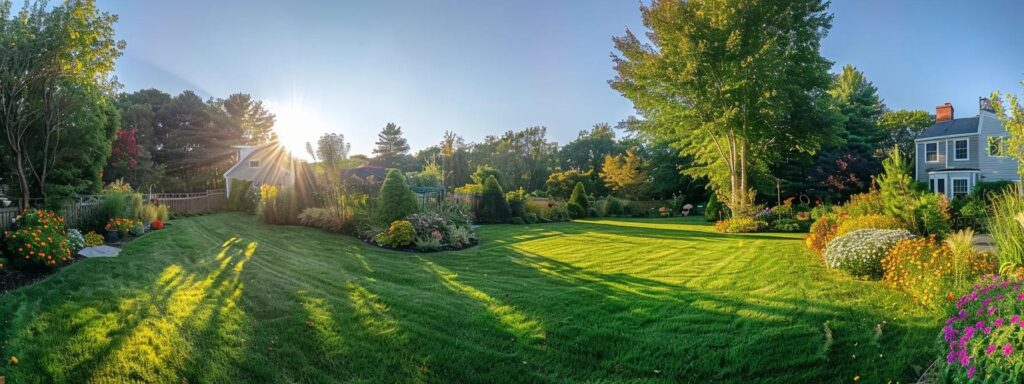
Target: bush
321,218
516,221
93,239
933,215
40,242
530,218
854,223
397,200
241,199
864,204
931,271
579,197
790,225
860,252
982,337
461,236
516,202
969,212
1006,231
576,211
613,206
137,229
400,234
740,225
492,208
121,224
714,211
163,212
558,211
985,190
279,205
76,242
822,231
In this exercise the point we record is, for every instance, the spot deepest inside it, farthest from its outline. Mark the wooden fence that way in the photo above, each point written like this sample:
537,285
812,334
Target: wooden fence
77,212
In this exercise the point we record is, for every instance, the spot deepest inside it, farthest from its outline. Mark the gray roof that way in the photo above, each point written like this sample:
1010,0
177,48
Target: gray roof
951,127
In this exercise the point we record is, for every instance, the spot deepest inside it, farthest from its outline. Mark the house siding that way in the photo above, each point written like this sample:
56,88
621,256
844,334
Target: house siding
923,166
994,168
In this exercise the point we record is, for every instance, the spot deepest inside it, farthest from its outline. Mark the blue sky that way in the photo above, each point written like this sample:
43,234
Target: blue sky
486,66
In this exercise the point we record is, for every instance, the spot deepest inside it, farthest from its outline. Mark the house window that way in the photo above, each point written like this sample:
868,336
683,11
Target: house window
960,187
254,163
931,152
997,146
960,150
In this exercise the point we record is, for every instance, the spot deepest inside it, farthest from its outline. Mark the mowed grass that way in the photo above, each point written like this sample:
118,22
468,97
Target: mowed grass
223,299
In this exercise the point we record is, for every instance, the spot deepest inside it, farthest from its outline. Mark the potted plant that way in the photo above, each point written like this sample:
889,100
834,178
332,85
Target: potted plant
111,234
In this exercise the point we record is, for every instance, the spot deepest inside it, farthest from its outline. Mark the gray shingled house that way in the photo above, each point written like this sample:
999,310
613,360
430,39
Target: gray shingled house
263,164
953,155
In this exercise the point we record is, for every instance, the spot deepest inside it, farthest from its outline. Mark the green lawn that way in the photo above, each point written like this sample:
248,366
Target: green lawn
222,299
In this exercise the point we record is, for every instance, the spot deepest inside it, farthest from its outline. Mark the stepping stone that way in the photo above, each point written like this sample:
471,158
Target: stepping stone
100,251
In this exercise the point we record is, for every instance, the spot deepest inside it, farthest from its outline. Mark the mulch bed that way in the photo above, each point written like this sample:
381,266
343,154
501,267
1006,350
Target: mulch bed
11,279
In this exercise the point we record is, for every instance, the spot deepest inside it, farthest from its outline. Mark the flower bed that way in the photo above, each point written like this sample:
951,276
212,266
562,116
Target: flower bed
983,337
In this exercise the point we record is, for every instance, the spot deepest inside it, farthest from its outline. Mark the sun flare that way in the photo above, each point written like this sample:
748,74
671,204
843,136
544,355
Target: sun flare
297,123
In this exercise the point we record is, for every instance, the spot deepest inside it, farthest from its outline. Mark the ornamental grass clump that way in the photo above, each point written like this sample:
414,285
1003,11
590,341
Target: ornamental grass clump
983,337
860,252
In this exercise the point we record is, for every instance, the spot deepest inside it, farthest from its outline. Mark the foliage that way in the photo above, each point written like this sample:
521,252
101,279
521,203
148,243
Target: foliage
279,205
897,188
39,242
855,223
137,229
721,98
579,197
525,157
714,211
970,212
516,202
492,208
75,241
930,271
163,212
576,211
982,336
530,218
1012,115
613,206
400,234
900,128
626,175
120,224
860,252
93,239
397,200
984,190
585,155
56,71
1007,233
863,204
932,212
240,199
740,224
561,184
248,117
391,147
429,177
790,225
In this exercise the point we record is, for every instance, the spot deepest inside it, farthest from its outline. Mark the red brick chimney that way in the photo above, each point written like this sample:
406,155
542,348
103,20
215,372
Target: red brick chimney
944,112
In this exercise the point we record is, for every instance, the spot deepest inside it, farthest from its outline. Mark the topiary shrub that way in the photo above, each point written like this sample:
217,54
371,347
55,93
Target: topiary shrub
579,197
854,223
982,338
397,200
400,234
493,208
860,252
40,242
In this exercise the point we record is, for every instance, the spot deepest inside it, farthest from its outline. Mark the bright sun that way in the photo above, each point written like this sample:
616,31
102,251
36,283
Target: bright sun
296,125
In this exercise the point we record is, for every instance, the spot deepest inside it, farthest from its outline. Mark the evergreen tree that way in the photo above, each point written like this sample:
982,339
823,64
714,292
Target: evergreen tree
391,147
493,208
897,187
249,118
578,205
397,200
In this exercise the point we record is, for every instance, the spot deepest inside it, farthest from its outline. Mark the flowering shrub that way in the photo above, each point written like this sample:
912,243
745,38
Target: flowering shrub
39,242
399,235
93,239
156,225
853,223
860,252
740,225
983,336
75,240
822,231
930,271
120,224
137,229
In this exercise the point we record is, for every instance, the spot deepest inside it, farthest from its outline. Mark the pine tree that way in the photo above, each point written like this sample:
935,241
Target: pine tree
390,146
249,118
578,205
897,188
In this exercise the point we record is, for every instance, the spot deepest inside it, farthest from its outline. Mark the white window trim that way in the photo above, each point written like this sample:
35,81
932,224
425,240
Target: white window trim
254,161
952,185
936,144
957,141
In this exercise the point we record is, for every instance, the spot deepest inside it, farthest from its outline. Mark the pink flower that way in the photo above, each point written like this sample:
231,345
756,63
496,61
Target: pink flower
1007,350
970,372
990,349
987,330
1014,319
998,323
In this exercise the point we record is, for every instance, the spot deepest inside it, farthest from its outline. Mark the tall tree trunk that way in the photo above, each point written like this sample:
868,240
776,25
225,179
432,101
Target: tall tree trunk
22,179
